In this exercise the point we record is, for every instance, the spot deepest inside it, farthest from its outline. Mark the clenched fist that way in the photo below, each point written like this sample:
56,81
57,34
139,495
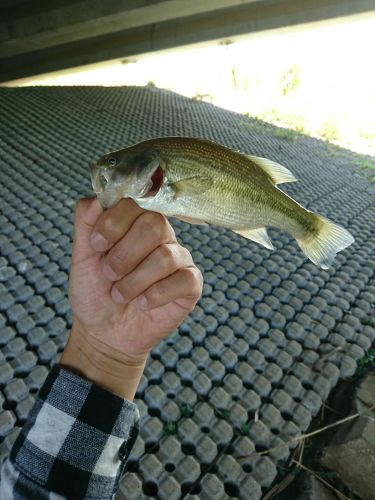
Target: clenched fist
131,285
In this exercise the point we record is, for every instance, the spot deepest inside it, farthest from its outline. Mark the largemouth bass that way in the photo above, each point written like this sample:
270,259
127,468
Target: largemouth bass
201,182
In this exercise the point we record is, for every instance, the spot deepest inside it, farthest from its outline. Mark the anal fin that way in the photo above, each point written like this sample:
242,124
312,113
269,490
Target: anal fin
258,235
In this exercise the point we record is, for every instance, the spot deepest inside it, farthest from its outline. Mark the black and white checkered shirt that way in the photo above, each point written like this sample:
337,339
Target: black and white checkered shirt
74,444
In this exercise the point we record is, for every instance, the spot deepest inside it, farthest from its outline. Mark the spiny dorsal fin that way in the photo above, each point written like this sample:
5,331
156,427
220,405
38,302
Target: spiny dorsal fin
258,235
277,173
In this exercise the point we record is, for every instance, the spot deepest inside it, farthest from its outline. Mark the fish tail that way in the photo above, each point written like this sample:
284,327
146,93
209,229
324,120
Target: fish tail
321,243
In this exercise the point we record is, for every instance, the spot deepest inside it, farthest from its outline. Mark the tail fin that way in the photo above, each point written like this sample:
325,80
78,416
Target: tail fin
322,246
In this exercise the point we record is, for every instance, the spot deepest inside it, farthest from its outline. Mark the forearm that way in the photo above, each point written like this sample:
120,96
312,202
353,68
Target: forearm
75,442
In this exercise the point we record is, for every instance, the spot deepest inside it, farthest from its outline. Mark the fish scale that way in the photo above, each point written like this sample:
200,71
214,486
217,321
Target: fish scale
232,176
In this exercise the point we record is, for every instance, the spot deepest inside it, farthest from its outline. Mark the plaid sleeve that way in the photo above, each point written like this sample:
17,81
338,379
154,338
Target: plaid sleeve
74,444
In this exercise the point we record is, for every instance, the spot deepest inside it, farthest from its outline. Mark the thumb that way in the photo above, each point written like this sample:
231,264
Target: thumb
87,212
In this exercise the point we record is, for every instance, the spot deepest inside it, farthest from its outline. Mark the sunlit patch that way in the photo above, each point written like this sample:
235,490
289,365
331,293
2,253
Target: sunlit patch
157,181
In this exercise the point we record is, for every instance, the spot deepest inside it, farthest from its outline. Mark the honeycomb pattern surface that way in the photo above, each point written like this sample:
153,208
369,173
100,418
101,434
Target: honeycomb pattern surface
224,397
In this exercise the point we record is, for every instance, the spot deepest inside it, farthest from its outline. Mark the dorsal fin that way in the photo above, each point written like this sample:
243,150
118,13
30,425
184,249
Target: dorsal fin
277,173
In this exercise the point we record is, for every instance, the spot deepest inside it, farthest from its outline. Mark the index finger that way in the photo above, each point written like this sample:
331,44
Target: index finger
114,223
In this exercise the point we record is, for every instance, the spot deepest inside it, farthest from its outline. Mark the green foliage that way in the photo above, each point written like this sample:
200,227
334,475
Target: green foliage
367,166
170,428
290,80
287,134
234,78
364,164
328,130
368,322
334,150
366,364
222,413
245,428
186,410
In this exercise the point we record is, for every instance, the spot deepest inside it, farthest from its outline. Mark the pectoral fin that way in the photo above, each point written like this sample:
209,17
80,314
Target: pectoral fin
259,235
277,173
192,185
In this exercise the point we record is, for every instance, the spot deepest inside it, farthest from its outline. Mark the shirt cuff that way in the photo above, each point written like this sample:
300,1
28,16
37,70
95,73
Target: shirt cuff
77,438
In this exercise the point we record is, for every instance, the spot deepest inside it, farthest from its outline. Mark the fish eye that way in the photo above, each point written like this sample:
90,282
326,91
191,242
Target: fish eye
111,161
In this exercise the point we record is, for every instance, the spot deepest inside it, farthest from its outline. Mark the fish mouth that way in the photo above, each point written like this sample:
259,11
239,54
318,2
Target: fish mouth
95,182
155,183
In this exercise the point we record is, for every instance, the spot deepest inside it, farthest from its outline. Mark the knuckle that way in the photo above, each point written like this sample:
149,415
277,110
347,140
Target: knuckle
194,279
186,253
109,226
154,224
166,257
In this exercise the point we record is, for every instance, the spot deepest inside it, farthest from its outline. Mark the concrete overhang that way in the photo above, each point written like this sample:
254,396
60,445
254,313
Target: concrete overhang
38,37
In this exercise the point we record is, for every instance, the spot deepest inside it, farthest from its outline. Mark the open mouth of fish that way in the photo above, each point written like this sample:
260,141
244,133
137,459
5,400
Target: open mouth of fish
156,182
149,190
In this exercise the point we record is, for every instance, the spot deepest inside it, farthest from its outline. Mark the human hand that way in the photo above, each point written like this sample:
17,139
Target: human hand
131,285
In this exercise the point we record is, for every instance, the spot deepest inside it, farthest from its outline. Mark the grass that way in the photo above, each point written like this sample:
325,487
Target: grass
170,428
287,134
186,410
368,322
219,413
368,168
291,127
245,428
367,363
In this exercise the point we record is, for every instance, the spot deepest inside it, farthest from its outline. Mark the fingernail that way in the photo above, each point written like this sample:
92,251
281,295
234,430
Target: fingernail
98,242
117,296
109,272
142,302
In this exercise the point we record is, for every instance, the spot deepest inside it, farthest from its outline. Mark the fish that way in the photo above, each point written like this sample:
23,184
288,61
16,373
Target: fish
202,182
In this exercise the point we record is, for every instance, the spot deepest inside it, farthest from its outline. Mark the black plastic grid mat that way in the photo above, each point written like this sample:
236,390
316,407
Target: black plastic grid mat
268,341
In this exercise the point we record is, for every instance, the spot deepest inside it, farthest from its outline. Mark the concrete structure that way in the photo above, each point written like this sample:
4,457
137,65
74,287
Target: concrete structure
42,36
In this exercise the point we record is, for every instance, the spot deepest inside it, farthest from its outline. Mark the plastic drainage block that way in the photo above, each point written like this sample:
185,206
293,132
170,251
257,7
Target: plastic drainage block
11,438
130,488
212,487
7,422
7,334
23,408
268,341
6,373
47,351
204,449
16,390
36,378
23,363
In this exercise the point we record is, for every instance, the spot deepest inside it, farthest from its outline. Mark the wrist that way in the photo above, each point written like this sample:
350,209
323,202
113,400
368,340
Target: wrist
90,358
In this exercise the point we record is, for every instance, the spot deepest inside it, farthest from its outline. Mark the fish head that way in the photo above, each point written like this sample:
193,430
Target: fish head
126,174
